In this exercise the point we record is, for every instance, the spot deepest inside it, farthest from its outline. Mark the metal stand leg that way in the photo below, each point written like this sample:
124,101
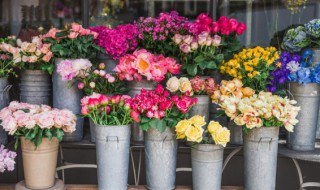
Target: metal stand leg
234,152
302,184
136,177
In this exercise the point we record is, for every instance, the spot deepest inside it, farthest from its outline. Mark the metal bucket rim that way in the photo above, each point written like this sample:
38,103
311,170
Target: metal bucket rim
215,147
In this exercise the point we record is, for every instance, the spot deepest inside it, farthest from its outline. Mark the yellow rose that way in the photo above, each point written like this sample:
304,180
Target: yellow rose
213,126
194,134
173,84
185,85
197,121
181,128
221,136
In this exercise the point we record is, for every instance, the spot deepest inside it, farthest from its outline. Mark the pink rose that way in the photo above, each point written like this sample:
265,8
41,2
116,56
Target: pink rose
45,48
111,79
73,35
241,28
149,114
32,59
185,48
233,23
194,45
85,110
182,106
197,84
52,33
84,32
216,40
215,27
76,27
46,120
211,86
10,125
177,38
135,116
80,85
47,57
187,39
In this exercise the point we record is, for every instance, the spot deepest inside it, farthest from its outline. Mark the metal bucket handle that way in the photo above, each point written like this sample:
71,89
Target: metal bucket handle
164,139
267,139
107,139
5,91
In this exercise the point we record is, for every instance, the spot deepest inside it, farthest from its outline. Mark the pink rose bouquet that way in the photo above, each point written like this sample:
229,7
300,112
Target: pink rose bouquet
8,51
154,34
117,41
104,110
99,81
158,109
72,42
145,64
35,122
7,159
70,69
34,55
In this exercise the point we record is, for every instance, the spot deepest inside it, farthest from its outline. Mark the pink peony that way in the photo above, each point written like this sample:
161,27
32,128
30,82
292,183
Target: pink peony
76,27
46,120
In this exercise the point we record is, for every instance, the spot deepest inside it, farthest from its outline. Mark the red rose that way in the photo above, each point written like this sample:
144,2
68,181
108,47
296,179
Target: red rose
240,28
215,27
135,116
234,24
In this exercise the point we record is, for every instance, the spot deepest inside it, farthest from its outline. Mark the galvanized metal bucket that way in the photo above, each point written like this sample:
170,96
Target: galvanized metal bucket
92,131
202,107
135,87
236,133
35,87
69,98
4,101
308,98
207,161
316,61
260,158
113,149
108,61
161,158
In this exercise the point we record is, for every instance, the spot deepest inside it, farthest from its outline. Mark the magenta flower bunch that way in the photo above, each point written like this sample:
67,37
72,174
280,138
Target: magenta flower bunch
117,41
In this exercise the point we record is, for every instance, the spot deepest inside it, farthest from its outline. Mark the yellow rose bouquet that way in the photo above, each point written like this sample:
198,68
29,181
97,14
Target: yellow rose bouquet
192,130
253,66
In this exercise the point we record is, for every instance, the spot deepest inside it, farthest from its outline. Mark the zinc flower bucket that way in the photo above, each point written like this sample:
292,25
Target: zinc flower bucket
4,101
316,61
68,98
92,131
113,150
39,164
304,134
202,107
260,148
134,88
160,158
207,161
236,133
35,87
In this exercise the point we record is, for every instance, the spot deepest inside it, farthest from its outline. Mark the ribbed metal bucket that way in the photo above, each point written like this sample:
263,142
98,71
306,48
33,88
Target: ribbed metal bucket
207,161
236,133
260,158
135,88
92,131
69,98
108,61
161,158
4,101
112,149
308,98
35,87
316,61
39,165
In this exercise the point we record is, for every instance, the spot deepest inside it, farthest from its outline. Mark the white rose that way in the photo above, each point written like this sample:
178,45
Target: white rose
173,84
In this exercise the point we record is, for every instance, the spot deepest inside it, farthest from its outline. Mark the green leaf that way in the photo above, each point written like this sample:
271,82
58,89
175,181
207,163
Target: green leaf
211,65
192,69
199,59
145,126
59,134
154,123
48,134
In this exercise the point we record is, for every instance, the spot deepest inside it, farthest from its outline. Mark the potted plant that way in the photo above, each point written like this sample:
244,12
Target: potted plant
7,159
71,44
39,129
144,70
206,151
261,115
7,52
36,64
112,119
116,42
303,85
158,113
200,88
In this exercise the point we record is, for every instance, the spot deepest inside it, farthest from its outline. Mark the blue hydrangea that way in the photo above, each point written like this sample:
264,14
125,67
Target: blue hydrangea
313,28
295,39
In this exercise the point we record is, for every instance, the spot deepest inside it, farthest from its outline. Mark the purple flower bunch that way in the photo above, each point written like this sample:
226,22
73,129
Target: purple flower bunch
283,67
7,159
117,41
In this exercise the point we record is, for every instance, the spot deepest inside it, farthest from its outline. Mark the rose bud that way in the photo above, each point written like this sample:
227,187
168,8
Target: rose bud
102,66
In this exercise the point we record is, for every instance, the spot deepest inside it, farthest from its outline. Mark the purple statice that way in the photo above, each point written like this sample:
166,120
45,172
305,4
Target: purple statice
283,67
6,159
155,34
118,41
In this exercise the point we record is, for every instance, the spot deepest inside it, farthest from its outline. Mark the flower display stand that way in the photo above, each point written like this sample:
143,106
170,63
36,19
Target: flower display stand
59,185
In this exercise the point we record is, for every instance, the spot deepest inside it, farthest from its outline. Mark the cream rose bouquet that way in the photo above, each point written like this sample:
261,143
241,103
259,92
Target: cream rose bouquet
192,130
35,122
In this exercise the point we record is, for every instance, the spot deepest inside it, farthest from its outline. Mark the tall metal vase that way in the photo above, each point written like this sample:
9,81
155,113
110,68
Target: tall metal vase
69,98
4,101
108,61
207,161
161,158
260,158
304,134
113,150
316,61
35,87
134,88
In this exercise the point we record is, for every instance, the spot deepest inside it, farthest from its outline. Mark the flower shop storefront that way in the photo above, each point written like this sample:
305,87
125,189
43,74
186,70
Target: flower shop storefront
160,95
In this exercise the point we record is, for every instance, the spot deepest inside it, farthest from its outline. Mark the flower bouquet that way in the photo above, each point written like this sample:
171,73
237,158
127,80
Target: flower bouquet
209,44
113,117
7,159
252,66
205,154
155,34
39,128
